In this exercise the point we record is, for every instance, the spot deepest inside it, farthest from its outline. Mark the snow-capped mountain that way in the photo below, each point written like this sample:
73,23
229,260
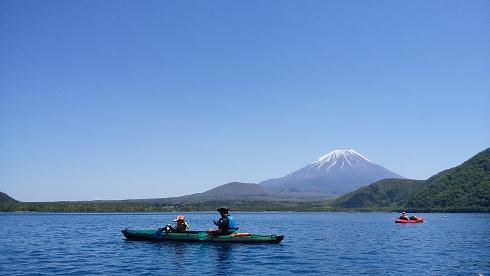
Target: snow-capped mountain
334,174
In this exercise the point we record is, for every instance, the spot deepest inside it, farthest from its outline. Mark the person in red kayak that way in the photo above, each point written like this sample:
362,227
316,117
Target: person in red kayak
403,216
413,217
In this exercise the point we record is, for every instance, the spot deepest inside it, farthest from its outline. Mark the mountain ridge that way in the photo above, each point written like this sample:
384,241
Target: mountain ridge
331,175
229,191
465,187
4,198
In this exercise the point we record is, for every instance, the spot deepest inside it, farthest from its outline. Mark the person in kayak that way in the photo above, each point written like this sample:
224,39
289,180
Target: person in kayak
403,216
180,225
226,224
413,217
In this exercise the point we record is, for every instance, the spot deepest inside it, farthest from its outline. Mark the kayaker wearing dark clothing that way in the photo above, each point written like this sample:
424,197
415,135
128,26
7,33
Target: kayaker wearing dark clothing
412,217
226,224
403,216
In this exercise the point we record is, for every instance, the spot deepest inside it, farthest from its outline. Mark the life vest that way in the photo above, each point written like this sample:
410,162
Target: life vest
231,223
181,227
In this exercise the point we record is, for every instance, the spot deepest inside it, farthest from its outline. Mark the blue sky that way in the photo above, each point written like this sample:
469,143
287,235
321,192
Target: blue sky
132,99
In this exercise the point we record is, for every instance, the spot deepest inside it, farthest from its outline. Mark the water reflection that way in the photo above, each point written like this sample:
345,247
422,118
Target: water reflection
175,254
180,249
222,255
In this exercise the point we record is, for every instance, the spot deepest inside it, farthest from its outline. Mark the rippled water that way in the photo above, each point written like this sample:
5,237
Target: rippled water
315,243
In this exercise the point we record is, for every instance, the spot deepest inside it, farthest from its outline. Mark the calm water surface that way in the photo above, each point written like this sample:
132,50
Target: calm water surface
315,243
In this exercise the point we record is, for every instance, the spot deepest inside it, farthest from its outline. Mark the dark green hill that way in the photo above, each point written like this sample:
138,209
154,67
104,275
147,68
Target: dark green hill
465,188
4,198
462,188
383,193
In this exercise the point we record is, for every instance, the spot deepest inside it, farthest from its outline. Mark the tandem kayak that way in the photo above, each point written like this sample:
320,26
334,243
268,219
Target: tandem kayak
199,236
418,220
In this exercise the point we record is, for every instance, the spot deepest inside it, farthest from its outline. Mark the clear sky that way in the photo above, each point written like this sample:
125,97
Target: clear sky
137,99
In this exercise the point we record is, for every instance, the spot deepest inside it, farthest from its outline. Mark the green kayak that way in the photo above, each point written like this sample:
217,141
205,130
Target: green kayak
199,236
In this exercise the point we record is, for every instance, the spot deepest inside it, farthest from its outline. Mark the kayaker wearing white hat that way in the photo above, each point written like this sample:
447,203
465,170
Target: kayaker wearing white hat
403,216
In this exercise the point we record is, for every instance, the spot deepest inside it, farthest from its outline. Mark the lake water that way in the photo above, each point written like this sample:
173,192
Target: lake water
315,243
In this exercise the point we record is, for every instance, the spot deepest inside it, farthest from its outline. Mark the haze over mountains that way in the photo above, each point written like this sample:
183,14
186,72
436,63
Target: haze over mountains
229,191
332,175
465,188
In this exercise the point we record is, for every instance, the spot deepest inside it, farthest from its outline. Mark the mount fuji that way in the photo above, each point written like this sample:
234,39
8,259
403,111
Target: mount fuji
334,174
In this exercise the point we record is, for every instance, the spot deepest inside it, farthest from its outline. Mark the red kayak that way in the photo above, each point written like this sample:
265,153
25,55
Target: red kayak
418,220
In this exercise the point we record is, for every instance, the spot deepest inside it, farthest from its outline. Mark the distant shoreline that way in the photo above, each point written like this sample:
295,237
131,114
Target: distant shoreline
241,206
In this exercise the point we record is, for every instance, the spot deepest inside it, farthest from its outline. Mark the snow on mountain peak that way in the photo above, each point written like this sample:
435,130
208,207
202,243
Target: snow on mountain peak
339,153
350,158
